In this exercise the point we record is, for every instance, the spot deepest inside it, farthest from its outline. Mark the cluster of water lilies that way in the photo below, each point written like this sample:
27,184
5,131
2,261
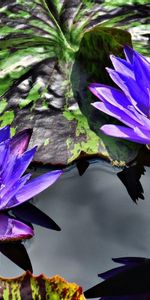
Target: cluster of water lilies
16,188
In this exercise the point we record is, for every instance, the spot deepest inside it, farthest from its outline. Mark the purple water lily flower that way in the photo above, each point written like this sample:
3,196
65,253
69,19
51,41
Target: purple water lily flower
127,282
130,104
16,188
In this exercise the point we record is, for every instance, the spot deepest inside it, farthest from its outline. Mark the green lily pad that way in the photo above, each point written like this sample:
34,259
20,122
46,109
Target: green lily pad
28,286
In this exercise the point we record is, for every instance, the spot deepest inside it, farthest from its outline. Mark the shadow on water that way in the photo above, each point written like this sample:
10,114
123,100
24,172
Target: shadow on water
98,220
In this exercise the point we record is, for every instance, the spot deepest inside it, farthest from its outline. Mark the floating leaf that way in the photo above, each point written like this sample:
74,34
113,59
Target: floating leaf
28,286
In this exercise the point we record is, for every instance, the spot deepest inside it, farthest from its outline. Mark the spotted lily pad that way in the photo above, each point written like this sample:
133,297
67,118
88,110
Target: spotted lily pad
28,286
42,83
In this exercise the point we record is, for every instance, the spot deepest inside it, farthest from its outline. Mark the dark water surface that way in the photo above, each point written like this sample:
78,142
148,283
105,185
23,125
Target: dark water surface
98,220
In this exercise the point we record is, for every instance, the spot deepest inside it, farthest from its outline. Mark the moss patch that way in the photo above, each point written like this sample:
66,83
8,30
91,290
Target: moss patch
85,139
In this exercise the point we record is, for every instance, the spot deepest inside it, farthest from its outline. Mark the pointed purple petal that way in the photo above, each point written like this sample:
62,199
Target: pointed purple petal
19,143
36,186
128,51
131,89
124,133
122,66
16,168
13,230
142,132
143,62
124,116
141,75
110,94
4,133
6,200
4,154
142,118
118,99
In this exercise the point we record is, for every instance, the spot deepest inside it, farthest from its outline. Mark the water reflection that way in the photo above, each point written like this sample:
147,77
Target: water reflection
98,220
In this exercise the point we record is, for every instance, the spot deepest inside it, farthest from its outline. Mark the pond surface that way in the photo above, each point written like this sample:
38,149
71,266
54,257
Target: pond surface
98,220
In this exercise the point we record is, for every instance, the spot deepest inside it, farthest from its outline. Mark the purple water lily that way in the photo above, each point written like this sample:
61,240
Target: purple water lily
16,188
131,103
127,282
